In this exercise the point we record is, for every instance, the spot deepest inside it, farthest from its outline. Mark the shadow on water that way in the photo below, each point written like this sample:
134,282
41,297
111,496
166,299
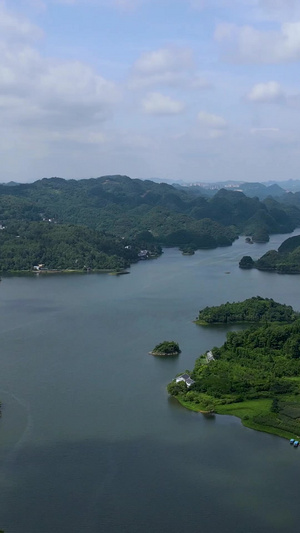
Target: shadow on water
175,404
210,417
139,486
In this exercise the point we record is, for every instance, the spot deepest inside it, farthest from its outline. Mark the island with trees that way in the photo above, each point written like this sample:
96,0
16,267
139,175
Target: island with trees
166,349
253,310
255,375
284,261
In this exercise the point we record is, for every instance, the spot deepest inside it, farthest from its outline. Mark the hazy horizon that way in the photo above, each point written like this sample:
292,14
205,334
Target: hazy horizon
156,180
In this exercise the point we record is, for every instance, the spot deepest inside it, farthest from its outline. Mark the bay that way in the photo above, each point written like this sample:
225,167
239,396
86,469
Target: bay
90,440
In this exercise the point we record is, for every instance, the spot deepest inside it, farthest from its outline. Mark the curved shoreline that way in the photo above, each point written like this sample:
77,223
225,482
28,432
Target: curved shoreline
234,411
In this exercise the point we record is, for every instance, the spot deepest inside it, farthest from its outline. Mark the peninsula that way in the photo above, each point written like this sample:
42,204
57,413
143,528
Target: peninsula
255,375
251,311
285,260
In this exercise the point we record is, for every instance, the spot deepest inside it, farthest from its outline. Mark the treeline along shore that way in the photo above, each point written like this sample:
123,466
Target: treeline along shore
255,375
112,221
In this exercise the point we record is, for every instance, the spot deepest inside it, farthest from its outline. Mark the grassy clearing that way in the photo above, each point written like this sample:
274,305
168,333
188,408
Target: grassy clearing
248,411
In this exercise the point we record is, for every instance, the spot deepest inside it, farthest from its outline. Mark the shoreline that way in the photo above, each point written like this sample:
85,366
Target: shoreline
11,273
160,354
239,410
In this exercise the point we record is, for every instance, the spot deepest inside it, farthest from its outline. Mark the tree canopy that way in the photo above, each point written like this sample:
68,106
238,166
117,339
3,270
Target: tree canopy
252,310
145,214
256,371
166,348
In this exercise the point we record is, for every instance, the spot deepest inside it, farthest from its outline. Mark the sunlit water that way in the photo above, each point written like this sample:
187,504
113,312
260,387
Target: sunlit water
90,441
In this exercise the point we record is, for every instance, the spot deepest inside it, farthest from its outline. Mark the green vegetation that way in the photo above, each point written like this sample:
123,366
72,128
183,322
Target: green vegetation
246,262
61,246
284,261
252,310
187,250
260,235
144,214
166,348
255,374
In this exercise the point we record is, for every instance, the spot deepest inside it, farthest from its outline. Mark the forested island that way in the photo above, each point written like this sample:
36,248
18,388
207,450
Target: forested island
166,348
252,310
284,261
112,221
255,375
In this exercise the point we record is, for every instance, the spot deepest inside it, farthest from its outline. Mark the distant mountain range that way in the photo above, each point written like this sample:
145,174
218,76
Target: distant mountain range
261,190
251,189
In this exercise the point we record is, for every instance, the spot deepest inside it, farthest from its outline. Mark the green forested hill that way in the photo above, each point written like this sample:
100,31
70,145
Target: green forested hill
104,202
252,310
144,213
284,261
61,246
254,375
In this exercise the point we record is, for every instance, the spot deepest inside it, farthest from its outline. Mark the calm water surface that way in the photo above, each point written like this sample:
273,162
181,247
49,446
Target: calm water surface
90,441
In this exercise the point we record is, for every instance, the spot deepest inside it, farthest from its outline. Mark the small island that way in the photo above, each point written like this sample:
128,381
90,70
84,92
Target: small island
255,375
166,348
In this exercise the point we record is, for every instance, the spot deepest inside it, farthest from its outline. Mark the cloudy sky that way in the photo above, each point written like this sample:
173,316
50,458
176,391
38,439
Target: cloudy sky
192,90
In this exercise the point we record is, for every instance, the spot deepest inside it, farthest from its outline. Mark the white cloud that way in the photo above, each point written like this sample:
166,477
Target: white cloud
198,82
212,121
248,44
264,131
35,90
165,58
50,109
212,126
159,104
16,29
269,92
63,94
166,66
74,83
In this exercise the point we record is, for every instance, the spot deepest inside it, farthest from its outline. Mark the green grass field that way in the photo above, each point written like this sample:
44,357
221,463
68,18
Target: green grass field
255,414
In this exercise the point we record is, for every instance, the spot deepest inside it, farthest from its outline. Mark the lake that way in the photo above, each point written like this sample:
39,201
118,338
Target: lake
90,440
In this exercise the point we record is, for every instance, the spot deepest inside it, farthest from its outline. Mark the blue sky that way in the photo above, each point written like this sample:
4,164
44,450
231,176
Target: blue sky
192,90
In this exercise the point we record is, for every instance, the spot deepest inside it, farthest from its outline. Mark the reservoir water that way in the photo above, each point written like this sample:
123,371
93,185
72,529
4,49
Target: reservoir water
90,441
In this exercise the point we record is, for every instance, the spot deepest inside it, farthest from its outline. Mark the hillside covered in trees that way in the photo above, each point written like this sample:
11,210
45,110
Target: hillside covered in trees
63,247
284,261
144,214
253,310
255,375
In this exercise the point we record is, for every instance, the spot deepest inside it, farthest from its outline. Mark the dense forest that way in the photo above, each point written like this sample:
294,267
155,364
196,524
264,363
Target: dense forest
144,214
255,375
61,246
284,261
252,310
